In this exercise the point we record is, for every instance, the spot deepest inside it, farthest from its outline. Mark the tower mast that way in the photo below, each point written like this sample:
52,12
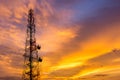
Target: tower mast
31,58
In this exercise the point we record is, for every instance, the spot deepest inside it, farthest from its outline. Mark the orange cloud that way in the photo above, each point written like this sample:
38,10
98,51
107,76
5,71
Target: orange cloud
72,48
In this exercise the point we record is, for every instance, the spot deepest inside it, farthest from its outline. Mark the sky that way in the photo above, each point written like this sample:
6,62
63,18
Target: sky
79,38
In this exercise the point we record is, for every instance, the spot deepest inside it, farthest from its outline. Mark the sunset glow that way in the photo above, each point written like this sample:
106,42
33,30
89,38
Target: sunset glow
80,39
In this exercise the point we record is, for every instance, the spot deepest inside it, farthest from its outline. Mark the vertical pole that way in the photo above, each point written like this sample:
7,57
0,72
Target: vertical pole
30,55
30,45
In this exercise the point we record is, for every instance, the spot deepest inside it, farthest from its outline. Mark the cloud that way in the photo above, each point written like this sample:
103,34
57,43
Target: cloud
102,64
74,35
9,78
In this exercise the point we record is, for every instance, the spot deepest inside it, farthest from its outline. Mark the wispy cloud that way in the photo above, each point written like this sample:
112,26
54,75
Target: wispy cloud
77,38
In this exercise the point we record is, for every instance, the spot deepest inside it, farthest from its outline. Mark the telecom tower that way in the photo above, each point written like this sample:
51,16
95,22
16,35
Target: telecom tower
31,58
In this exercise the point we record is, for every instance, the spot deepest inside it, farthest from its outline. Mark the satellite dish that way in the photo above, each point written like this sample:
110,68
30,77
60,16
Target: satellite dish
38,47
39,59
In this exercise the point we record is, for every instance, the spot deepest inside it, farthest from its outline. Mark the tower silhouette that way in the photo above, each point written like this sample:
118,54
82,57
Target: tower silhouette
31,57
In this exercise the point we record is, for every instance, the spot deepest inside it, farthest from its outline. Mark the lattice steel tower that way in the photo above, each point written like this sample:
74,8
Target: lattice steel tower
31,58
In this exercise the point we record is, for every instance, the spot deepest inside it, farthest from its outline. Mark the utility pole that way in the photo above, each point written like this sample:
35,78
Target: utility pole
31,58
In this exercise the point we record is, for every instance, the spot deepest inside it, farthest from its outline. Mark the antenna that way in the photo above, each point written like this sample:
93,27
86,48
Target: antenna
31,58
